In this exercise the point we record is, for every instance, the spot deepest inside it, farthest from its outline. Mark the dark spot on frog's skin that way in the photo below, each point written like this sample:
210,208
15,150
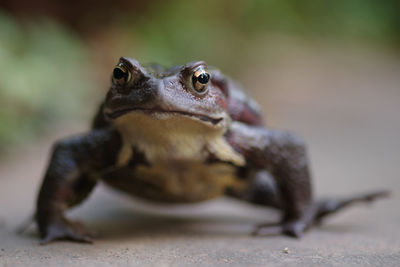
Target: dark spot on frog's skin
242,172
138,158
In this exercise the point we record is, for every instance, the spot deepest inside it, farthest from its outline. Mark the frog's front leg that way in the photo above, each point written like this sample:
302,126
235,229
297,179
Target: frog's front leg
69,180
283,155
279,177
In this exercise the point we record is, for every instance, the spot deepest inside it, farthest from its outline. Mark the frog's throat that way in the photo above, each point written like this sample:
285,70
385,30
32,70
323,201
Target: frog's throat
174,137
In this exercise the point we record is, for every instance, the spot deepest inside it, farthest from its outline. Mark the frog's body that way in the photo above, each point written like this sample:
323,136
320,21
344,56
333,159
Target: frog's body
181,135
175,167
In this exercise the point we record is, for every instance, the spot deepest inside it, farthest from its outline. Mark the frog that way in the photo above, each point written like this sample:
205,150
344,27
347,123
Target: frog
183,134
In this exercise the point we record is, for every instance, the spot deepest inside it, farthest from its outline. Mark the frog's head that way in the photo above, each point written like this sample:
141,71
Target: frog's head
184,93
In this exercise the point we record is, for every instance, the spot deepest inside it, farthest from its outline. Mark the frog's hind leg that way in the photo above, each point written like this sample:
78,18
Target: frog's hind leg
262,190
325,207
318,211
284,156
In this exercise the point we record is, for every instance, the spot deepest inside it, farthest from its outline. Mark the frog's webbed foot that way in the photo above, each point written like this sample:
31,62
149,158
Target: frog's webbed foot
314,215
65,230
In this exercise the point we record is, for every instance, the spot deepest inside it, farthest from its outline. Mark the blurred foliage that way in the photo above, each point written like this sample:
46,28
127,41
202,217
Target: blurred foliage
51,61
40,65
224,32
341,18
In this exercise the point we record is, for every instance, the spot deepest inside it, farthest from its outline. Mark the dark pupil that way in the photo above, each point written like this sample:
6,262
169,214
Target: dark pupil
203,78
118,73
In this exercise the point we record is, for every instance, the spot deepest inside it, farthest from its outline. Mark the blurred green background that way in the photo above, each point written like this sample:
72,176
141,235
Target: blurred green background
56,56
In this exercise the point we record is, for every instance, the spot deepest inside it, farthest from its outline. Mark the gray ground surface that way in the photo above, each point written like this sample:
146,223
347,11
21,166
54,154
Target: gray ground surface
347,110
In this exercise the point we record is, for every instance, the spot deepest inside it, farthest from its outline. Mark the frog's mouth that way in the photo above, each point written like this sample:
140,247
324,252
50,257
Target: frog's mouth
158,111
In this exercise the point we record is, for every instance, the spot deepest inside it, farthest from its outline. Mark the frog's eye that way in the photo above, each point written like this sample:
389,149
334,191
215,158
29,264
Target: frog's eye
121,74
200,79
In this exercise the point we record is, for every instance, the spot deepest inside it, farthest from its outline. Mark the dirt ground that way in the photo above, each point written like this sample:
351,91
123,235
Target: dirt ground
347,110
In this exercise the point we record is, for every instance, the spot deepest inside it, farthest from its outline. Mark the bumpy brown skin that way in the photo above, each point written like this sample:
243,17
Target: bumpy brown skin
275,172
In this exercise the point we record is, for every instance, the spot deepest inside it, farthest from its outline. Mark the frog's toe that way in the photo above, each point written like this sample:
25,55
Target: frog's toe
65,230
268,229
292,229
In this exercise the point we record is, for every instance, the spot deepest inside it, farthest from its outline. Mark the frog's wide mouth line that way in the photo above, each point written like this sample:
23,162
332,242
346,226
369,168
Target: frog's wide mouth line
120,112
